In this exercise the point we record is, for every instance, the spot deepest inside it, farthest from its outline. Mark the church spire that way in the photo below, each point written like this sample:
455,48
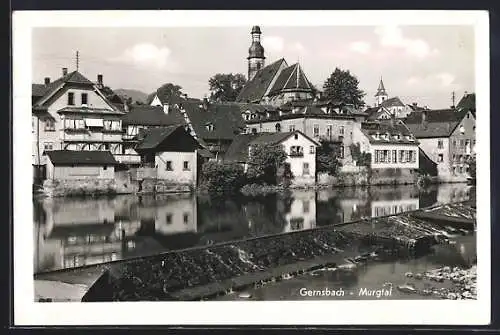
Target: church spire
255,53
381,94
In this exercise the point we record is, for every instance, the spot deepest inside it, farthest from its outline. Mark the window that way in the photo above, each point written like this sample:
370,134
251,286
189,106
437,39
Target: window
291,127
105,167
402,156
462,143
210,127
329,131
341,130
84,98
376,155
454,158
296,136
71,99
467,143
454,143
168,218
305,206
185,166
33,124
296,151
168,166
394,156
440,144
186,218
440,158
411,156
48,146
277,127
107,124
316,130
342,151
311,149
305,169
50,125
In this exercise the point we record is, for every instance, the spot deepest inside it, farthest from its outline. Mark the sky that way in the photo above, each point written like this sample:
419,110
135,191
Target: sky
422,64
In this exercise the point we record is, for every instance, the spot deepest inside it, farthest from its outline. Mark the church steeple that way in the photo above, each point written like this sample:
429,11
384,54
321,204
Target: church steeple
256,56
381,94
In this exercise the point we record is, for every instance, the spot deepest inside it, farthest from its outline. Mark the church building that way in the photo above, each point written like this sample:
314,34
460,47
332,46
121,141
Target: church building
276,83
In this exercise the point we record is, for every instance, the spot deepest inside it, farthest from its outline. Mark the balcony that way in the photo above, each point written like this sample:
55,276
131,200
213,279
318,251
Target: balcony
296,154
128,159
331,138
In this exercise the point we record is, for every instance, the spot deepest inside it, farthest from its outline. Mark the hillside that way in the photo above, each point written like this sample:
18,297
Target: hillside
134,94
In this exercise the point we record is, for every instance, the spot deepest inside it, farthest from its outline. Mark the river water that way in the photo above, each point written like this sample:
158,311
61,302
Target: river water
73,232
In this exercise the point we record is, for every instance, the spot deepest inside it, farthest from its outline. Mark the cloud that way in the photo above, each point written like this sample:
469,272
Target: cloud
273,43
392,36
360,46
148,55
445,78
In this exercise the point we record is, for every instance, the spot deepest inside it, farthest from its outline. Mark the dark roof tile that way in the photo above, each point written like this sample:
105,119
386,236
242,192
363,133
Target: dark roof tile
255,89
146,115
155,136
66,157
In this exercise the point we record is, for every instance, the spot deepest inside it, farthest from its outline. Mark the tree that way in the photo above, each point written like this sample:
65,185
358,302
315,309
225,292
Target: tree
327,158
472,167
226,87
342,86
264,162
167,92
222,177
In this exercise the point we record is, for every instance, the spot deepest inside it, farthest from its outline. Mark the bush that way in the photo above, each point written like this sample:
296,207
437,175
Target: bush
219,177
264,163
472,167
327,159
259,189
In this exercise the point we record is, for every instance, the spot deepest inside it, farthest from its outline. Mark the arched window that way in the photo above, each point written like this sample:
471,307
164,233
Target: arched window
278,127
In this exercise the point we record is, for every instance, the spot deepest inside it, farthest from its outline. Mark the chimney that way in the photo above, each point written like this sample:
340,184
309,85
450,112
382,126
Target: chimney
392,120
99,81
47,81
185,96
64,71
166,108
414,104
424,116
205,104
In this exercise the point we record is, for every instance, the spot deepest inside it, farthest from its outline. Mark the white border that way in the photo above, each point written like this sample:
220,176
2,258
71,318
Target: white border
27,312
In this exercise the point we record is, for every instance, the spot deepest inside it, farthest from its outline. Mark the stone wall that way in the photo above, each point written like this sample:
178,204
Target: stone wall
149,185
373,177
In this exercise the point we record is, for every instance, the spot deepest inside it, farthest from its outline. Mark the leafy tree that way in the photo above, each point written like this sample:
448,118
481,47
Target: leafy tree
342,86
327,158
472,167
362,158
264,162
167,92
226,86
220,177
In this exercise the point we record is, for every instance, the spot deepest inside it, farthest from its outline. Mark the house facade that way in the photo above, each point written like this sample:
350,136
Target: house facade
390,144
314,123
72,114
448,138
76,165
300,148
173,153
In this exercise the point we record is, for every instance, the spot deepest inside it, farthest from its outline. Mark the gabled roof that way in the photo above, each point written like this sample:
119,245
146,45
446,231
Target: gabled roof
393,102
254,90
291,78
439,123
155,136
146,115
74,77
394,128
275,138
69,157
375,113
468,102
238,150
225,118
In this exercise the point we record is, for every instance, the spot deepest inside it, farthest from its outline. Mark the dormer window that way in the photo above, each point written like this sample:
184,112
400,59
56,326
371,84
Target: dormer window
462,129
210,127
398,137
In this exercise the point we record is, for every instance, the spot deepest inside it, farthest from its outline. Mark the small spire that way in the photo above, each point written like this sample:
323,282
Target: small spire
298,73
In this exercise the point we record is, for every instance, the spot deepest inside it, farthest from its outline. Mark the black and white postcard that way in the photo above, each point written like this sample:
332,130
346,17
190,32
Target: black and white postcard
251,167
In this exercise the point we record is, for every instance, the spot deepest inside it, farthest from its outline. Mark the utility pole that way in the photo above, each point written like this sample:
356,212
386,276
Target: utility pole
453,99
77,60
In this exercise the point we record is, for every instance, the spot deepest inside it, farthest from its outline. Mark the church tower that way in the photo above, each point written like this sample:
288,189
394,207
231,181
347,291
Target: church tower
381,94
255,54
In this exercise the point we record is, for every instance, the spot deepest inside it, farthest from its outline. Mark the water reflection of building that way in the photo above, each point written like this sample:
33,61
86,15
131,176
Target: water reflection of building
302,211
447,193
391,207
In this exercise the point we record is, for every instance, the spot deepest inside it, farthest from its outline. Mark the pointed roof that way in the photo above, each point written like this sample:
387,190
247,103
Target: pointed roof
74,77
381,89
291,79
468,102
255,89
393,102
